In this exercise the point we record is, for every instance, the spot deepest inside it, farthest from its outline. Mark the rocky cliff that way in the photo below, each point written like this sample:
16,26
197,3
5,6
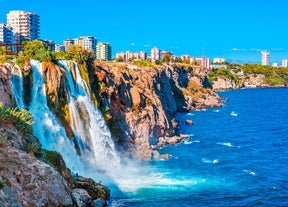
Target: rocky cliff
249,81
6,93
30,175
143,101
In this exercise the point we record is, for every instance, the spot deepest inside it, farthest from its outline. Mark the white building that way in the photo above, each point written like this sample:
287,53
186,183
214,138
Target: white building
284,63
104,51
201,61
6,34
185,57
265,58
275,64
219,60
26,25
142,55
88,42
121,55
155,54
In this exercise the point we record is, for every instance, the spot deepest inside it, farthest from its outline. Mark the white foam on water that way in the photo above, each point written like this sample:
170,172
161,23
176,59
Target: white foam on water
233,113
215,161
249,172
190,114
227,144
216,110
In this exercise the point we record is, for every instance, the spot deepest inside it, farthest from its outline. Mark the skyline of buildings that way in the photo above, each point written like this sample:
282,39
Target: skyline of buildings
23,25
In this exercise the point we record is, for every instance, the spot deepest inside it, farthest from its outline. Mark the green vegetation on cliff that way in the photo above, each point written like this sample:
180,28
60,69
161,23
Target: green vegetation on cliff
274,75
223,73
19,118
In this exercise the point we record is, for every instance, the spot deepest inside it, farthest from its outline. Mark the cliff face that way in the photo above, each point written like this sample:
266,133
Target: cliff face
244,81
144,100
6,93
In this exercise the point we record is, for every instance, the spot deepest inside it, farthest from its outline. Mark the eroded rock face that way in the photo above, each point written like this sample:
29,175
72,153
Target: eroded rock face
31,182
224,84
143,102
57,96
6,93
254,81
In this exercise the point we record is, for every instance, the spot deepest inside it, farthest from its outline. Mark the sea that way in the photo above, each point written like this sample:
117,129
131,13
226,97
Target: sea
236,155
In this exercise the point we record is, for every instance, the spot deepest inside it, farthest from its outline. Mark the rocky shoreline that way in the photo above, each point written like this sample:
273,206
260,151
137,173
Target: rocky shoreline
139,104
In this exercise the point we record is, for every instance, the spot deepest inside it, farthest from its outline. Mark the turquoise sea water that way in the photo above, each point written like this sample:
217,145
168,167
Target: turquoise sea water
237,156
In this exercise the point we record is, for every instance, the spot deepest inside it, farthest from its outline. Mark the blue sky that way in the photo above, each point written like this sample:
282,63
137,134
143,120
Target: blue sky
233,29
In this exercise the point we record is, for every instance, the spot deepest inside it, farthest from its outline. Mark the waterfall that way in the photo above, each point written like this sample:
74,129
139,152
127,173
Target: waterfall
46,126
17,84
88,124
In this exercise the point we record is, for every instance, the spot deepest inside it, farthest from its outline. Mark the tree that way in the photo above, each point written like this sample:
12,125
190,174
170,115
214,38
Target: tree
36,50
120,59
178,60
158,62
80,54
166,57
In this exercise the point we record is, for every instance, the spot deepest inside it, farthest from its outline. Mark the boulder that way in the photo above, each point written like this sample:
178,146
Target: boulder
30,181
81,197
189,122
95,190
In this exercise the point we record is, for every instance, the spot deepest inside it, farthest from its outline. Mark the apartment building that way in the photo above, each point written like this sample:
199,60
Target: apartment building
155,54
265,58
26,25
6,34
88,42
104,51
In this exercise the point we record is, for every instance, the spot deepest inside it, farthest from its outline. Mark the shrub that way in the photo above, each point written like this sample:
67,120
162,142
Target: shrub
19,118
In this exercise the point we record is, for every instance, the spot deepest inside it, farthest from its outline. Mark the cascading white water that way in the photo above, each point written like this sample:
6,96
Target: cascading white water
17,84
46,127
88,123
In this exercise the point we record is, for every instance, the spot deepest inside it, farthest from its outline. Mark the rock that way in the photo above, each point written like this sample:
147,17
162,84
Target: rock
189,122
99,203
81,197
6,93
165,156
156,154
8,197
30,181
95,190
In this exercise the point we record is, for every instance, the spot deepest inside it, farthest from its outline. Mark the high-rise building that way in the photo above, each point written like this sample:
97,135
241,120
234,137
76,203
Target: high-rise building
6,34
26,25
104,51
265,58
67,43
142,55
201,61
285,63
88,42
155,54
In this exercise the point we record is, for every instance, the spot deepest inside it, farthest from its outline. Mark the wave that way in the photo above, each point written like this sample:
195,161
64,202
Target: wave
204,160
227,144
216,110
190,114
187,141
233,113
249,172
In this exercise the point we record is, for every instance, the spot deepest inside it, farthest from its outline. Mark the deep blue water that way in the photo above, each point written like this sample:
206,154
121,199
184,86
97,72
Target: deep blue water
237,156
